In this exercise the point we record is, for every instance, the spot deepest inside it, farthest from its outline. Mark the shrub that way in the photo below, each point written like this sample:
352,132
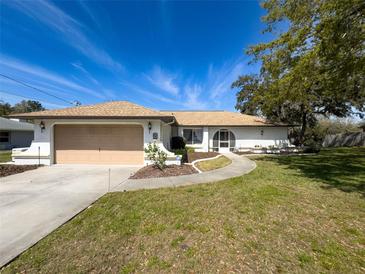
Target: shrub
311,146
180,151
177,142
183,152
156,155
190,149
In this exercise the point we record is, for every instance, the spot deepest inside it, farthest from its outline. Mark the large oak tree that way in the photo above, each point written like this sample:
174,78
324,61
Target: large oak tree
314,66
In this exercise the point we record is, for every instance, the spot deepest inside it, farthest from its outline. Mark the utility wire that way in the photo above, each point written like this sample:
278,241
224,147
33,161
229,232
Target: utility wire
24,97
37,89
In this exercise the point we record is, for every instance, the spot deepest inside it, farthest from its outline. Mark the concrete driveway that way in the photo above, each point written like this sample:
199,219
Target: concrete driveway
34,203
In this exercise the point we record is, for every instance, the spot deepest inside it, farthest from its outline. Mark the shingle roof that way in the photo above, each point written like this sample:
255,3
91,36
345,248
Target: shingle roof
217,118
125,110
6,124
117,109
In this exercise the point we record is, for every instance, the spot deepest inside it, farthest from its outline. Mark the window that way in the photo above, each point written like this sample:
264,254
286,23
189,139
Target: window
4,137
193,135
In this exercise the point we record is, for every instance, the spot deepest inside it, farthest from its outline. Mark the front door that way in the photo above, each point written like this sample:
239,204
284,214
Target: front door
223,141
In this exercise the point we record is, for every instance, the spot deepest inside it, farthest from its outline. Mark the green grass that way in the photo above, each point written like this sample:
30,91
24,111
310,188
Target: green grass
219,162
292,214
5,156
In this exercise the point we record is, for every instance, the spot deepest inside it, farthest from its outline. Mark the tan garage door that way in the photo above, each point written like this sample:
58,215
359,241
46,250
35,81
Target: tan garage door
98,144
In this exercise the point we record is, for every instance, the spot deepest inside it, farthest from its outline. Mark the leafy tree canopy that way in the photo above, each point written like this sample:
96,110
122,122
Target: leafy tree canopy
27,106
21,107
314,67
5,109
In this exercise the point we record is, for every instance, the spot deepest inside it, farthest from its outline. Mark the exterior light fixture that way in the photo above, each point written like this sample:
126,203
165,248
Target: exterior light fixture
149,127
42,126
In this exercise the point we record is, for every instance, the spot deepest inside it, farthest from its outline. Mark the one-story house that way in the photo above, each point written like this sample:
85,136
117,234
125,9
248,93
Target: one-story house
14,133
117,133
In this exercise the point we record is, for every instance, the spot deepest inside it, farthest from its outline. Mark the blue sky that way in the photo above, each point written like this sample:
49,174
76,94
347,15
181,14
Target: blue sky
164,55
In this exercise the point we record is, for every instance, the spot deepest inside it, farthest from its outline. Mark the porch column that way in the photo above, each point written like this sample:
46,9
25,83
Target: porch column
205,139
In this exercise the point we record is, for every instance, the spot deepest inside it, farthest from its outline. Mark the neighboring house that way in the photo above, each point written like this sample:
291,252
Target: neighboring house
15,134
118,132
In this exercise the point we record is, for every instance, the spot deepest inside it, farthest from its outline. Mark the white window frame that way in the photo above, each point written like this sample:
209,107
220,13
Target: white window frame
192,138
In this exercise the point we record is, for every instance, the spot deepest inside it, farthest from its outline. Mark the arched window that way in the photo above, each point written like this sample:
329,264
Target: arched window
224,141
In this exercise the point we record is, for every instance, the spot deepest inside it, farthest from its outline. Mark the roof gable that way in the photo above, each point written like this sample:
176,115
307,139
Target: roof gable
128,110
116,109
217,118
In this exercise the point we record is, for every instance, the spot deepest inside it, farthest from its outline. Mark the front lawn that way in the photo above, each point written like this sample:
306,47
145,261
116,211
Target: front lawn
219,162
291,214
192,156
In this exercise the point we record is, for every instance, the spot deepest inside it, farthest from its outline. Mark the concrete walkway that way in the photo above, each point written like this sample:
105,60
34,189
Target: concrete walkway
240,165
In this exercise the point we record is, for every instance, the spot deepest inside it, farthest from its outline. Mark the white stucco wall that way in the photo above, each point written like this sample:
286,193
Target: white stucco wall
246,137
249,137
42,146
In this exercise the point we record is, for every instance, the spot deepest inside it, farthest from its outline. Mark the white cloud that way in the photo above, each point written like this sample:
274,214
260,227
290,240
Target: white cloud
215,89
88,75
109,93
192,93
32,72
89,12
147,93
220,80
70,29
14,98
164,81
212,92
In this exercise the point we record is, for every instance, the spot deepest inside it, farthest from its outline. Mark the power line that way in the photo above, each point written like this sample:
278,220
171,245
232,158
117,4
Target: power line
24,97
37,89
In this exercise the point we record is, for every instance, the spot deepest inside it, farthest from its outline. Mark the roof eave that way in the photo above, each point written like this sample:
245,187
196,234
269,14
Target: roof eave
57,117
16,129
263,125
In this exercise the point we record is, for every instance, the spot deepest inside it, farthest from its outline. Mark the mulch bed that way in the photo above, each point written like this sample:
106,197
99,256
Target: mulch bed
171,170
6,170
192,156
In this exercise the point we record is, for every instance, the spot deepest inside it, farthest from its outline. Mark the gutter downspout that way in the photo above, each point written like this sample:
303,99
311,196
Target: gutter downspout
173,121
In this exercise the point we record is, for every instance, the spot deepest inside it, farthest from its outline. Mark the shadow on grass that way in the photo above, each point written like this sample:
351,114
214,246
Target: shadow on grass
342,168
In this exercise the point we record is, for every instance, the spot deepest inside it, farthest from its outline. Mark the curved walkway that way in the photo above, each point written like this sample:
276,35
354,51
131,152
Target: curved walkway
240,165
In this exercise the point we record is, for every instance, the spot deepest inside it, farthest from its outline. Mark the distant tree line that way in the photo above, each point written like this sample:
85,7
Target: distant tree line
21,107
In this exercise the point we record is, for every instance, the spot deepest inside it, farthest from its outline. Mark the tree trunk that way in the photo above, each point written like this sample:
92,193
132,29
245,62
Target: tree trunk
303,128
